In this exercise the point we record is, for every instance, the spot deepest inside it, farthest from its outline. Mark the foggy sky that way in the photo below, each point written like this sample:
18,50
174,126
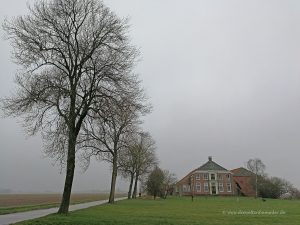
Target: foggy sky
223,78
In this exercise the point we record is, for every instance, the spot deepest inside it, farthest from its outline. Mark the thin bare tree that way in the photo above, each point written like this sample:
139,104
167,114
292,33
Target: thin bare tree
107,132
127,162
73,54
257,167
170,180
137,159
145,156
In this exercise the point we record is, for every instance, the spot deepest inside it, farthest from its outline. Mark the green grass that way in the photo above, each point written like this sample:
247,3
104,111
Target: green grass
203,211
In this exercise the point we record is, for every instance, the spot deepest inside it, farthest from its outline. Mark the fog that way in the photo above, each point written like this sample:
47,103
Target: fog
223,78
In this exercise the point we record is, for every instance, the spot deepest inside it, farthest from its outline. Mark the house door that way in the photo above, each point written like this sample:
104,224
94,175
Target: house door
213,189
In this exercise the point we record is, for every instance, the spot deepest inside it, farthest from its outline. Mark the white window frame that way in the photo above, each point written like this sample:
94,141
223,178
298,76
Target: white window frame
206,176
198,187
228,176
221,187
229,189
212,174
198,176
206,187
186,188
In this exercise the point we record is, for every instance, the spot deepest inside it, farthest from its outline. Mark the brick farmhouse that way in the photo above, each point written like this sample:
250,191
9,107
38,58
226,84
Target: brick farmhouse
213,179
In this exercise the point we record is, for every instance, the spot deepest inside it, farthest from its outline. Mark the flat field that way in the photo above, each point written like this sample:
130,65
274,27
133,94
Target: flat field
176,210
12,203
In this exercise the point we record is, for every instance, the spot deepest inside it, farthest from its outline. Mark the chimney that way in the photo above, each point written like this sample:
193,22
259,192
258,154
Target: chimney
209,158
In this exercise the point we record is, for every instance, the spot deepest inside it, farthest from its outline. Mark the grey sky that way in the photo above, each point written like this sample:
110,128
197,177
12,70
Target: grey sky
224,80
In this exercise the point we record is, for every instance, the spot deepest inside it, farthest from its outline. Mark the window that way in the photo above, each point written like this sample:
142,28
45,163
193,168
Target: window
220,177
228,187
221,187
198,187
228,176
185,188
198,176
206,187
212,176
205,176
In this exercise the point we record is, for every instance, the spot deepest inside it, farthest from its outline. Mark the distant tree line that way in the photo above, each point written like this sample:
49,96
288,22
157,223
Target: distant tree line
270,187
275,187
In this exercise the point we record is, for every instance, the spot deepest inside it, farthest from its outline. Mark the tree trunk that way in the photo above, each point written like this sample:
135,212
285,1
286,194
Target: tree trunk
113,179
130,185
256,186
72,136
64,206
135,185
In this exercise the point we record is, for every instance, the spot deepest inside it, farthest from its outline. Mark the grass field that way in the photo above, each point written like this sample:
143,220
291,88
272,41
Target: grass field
202,211
25,202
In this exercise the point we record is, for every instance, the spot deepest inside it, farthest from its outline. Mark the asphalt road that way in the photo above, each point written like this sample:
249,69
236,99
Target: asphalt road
18,217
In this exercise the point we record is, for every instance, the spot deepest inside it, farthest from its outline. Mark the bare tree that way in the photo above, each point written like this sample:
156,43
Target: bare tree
127,163
137,159
170,180
73,54
145,157
107,131
257,167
